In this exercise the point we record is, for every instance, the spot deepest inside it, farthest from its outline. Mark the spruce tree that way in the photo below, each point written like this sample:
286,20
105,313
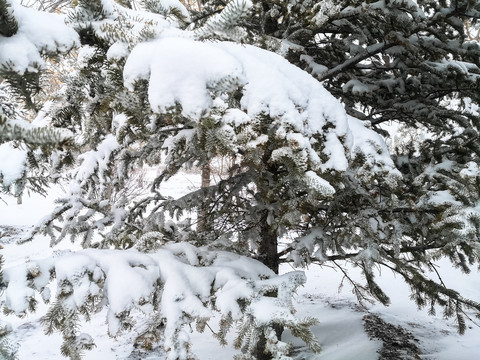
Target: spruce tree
117,129
403,62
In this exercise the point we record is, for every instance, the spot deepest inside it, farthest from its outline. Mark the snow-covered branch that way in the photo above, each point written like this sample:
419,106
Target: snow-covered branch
176,285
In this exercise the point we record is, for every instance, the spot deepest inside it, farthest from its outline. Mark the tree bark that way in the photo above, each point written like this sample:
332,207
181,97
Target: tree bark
268,247
202,212
268,255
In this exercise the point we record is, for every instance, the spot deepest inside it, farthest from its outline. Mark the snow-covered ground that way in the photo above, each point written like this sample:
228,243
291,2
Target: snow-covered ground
340,331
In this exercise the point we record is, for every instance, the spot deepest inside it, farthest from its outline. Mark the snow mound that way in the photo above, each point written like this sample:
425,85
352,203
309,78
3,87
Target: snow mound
38,33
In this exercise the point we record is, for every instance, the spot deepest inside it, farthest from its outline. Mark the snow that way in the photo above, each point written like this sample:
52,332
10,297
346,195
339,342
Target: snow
340,331
12,163
313,67
118,50
85,53
319,184
175,4
38,32
442,197
186,72
470,171
356,87
372,146
173,76
236,117
129,278
18,294
96,161
324,10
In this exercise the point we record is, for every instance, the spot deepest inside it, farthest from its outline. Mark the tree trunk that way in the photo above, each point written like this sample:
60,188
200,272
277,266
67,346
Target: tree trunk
202,212
268,255
268,249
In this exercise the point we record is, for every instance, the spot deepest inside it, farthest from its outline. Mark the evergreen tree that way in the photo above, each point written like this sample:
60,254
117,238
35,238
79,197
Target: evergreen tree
117,130
414,64
407,62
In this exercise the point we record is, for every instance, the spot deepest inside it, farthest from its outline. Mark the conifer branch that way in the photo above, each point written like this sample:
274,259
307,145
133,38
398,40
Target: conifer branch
8,23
